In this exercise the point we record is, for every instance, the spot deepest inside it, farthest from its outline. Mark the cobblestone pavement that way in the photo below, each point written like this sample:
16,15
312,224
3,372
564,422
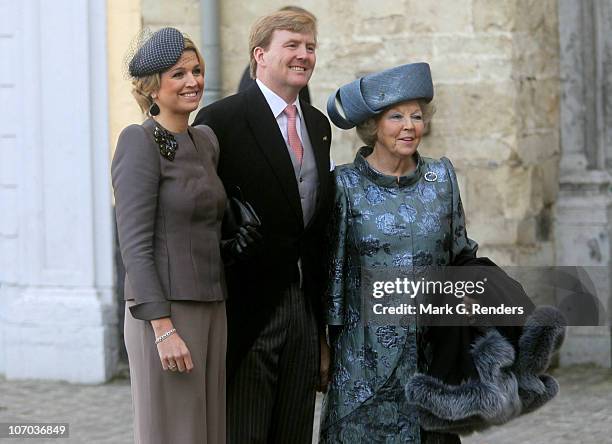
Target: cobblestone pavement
582,413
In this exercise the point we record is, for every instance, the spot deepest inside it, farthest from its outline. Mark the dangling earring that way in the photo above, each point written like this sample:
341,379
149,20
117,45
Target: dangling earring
154,109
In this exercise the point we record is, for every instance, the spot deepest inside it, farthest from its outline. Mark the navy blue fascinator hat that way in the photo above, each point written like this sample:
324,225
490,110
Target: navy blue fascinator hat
157,53
369,95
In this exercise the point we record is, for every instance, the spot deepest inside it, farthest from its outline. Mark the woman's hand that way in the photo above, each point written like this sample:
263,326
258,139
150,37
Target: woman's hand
325,365
173,352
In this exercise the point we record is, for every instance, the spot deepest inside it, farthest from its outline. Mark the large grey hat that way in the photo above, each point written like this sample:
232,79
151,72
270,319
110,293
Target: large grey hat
368,96
158,53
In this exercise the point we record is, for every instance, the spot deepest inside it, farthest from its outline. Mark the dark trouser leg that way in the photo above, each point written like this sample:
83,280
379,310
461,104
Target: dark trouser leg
293,415
271,397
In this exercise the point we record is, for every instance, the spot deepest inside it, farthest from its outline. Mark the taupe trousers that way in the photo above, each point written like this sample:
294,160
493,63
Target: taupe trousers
172,407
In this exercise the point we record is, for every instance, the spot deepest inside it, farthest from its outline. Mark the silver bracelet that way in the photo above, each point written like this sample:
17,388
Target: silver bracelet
165,335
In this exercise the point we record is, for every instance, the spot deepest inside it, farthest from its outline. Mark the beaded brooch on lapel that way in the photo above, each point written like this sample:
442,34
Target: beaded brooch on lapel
166,142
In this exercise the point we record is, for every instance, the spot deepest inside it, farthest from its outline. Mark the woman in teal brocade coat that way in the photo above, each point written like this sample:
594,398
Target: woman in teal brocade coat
396,213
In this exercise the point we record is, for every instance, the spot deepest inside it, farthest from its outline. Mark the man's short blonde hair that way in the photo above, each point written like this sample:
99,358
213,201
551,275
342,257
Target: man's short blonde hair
302,22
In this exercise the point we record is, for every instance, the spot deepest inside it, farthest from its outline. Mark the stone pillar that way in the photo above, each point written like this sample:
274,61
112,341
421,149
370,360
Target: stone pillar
584,206
9,153
58,317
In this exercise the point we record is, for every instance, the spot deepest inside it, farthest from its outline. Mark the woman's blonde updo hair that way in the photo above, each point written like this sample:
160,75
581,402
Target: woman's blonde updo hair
367,130
143,87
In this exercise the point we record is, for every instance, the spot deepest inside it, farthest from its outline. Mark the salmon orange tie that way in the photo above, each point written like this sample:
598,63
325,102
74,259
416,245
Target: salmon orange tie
294,140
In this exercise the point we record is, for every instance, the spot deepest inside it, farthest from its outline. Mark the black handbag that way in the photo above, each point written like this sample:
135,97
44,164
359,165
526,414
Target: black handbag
238,213
240,237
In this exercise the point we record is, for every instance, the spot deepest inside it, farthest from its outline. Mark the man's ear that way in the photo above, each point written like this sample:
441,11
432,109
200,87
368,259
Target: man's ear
258,55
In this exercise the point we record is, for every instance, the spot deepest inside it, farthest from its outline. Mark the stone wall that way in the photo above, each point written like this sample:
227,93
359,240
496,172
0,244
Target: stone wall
496,72
182,14
498,89
495,68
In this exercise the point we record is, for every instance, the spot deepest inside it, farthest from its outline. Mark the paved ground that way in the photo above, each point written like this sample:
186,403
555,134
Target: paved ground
582,413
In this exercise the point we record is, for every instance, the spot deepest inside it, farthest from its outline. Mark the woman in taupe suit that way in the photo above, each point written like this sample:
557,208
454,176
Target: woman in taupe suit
169,204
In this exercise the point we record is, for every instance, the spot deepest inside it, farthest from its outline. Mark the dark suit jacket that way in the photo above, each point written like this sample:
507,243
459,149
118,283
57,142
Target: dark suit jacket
254,156
168,219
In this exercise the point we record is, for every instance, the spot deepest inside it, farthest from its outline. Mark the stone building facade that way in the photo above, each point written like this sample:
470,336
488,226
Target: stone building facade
522,112
496,72
505,114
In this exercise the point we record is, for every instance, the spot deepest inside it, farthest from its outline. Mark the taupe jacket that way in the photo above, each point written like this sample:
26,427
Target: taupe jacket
169,219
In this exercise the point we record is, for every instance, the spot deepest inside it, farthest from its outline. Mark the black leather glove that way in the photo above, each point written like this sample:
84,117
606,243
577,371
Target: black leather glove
242,246
240,231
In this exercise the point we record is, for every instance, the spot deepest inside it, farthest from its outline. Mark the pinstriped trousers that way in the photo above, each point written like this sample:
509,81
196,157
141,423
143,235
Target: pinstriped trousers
272,396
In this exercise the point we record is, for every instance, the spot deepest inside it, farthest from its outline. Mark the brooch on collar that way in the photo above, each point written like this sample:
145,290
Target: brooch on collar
166,142
430,176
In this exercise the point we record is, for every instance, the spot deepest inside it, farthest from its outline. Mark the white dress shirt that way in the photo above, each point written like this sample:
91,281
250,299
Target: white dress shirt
278,105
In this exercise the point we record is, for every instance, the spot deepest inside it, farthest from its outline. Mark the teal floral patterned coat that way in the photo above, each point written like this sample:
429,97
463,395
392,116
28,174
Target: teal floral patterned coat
396,228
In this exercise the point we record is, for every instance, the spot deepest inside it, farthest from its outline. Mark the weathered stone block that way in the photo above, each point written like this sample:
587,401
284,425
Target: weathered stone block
501,255
494,70
432,147
523,192
485,195
535,55
401,50
584,244
429,17
175,13
532,15
480,151
470,109
453,71
359,59
537,104
527,231
390,24
345,145
494,15
479,45
542,254
382,9
581,347
549,172
536,147
503,193
492,230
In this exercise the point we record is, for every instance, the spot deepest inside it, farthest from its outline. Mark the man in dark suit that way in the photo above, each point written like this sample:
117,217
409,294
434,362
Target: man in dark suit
276,149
